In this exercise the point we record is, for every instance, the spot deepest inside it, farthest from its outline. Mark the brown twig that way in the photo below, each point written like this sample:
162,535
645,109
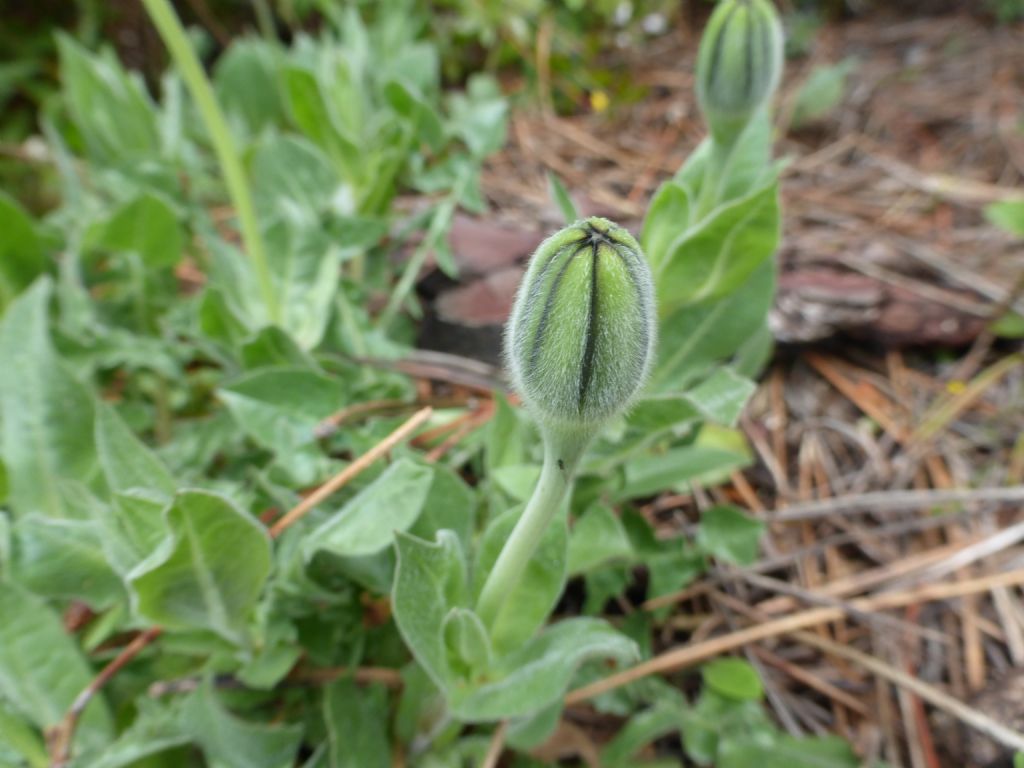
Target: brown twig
301,676
894,501
61,735
937,698
497,746
678,658
352,470
470,425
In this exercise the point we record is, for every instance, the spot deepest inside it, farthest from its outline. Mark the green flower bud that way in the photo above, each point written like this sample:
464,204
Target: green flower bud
581,335
739,64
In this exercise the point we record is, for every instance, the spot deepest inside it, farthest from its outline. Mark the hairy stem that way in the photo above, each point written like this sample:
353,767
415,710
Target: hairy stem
562,453
177,42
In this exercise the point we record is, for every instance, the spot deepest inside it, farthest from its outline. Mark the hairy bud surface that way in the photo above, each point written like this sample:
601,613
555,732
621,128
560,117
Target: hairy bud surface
739,64
581,335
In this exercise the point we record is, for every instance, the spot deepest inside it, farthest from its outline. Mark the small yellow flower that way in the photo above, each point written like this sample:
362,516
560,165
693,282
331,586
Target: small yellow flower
599,101
956,387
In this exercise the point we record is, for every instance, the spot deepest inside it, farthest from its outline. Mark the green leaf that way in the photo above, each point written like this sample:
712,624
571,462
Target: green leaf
722,396
527,733
22,254
560,195
677,467
821,92
734,679
1009,326
245,79
292,179
42,670
694,337
538,673
1007,215
19,737
405,98
126,461
730,535
235,743
270,347
656,722
46,413
209,571
155,729
312,115
480,116
517,480
110,107
64,559
505,442
367,523
668,216
280,407
787,752
673,568
133,527
421,713
748,165
714,257
527,607
450,504
656,412
306,265
430,580
596,539
715,719
146,225
469,647
356,720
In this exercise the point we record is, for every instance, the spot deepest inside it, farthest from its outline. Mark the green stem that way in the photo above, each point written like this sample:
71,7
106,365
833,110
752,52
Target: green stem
508,568
174,37
561,455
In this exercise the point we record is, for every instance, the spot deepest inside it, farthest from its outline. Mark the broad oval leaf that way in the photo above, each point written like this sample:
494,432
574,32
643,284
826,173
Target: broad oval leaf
42,670
146,225
469,647
367,523
715,256
22,255
694,337
46,415
208,573
64,559
733,678
126,461
356,720
231,742
430,580
667,217
280,407
538,673
729,534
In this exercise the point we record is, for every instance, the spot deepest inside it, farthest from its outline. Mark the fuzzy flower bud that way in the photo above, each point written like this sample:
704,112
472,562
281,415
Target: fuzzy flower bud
739,64
580,338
